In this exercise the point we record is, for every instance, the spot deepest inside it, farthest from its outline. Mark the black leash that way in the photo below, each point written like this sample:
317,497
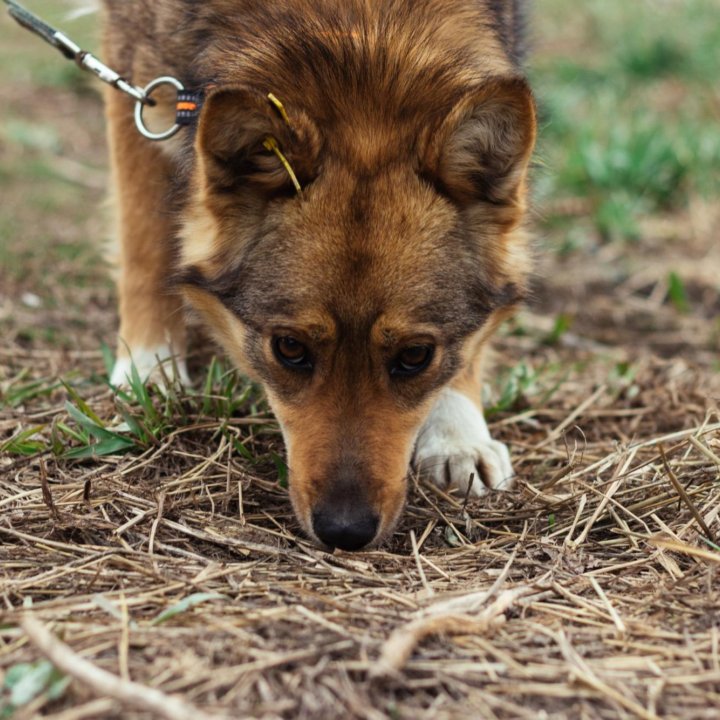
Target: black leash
188,104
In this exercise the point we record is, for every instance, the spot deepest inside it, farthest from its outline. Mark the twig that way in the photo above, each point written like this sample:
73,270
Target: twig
690,550
46,493
617,481
418,562
706,451
156,522
399,647
577,412
685,497
584,674
619,624
105,684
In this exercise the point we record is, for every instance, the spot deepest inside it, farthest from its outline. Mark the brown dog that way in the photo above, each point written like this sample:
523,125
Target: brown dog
362,302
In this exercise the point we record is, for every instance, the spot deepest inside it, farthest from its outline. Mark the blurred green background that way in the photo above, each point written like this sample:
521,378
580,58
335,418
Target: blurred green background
630,105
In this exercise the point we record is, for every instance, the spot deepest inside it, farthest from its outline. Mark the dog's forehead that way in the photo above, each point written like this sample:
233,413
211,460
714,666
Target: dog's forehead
356,250
373,233
370,252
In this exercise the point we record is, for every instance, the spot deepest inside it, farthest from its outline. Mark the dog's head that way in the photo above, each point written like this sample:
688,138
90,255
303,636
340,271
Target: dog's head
357,300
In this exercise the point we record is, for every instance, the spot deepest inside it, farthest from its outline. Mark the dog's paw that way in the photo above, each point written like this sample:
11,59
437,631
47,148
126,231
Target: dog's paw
454,448
158,365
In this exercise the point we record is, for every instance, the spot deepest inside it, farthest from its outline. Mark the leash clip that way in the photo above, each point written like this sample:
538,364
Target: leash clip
187,107
140,109
188,103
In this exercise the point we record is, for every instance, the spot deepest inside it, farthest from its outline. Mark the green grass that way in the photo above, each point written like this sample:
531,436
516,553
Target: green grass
26,681
677,293
523,386
142,416
633,131
22,389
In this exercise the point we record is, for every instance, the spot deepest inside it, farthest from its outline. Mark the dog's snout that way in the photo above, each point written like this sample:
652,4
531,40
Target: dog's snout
347,528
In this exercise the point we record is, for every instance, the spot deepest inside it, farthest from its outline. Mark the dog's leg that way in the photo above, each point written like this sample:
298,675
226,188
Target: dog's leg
152,328
454,448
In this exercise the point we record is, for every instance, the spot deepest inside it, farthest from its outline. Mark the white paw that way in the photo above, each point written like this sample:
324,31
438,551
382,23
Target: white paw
153,365
454,448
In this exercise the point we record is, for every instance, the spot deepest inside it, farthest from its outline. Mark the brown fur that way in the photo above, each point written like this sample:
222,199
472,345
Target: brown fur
411,129
149,313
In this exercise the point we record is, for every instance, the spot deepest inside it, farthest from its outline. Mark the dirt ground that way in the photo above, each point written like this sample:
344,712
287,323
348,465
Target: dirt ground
592,590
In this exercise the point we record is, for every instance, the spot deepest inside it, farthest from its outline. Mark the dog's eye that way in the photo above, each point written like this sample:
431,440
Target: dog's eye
412,360
292,353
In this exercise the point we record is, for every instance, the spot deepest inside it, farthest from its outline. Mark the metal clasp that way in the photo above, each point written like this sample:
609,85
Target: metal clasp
140,109
89,62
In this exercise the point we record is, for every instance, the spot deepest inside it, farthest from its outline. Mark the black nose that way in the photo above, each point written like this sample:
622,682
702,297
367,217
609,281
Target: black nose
345,530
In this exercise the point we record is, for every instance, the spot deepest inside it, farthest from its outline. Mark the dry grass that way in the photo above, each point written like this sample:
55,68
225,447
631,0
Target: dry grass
173,582
591,591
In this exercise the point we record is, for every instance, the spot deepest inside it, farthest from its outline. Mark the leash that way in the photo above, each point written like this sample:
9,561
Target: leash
187,106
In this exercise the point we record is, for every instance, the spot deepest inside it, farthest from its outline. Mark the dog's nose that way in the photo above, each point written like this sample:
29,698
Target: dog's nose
345,530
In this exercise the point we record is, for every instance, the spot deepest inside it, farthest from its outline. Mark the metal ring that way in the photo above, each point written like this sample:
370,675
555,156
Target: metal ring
140,109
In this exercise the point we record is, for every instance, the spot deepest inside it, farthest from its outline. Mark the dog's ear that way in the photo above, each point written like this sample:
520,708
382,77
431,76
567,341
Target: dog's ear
482,151
243,138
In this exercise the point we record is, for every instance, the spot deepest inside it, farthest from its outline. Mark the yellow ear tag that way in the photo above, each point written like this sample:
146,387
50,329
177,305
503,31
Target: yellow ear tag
271,144
280,108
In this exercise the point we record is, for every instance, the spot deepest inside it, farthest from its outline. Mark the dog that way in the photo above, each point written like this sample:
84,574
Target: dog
345,215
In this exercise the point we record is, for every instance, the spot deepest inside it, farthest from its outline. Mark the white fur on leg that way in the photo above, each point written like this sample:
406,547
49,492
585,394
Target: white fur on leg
454,445
148,362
